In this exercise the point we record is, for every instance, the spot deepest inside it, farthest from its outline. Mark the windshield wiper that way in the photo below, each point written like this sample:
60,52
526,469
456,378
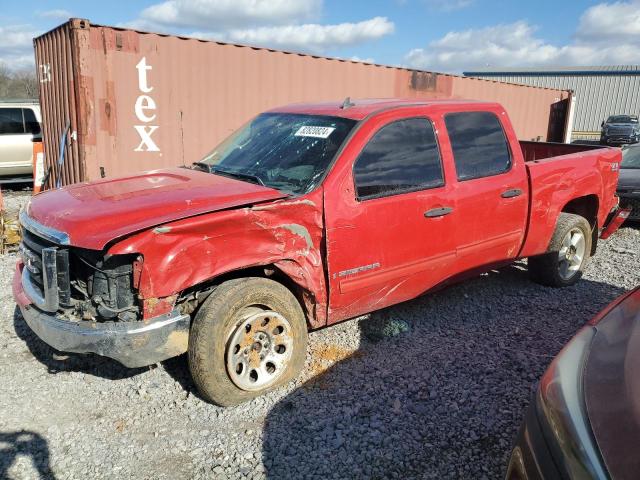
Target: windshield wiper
202,166
242,176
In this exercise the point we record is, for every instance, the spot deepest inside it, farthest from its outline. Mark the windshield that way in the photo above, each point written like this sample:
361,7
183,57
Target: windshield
285,151
622,119
630,157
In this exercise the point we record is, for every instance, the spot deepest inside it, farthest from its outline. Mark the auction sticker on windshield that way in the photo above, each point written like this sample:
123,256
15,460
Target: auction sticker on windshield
317,132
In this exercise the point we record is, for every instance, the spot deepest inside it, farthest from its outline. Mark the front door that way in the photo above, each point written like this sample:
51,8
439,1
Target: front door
390,217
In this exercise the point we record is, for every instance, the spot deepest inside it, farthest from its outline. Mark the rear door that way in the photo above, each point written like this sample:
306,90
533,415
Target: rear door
390,216
491,189
16,146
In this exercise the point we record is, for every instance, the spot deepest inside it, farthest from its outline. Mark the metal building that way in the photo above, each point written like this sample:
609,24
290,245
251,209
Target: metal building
598,91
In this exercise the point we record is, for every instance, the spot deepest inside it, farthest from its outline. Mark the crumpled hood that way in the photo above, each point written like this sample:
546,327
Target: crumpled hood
95,213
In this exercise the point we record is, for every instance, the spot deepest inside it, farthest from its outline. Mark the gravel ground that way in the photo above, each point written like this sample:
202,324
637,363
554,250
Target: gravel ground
15,195
433,388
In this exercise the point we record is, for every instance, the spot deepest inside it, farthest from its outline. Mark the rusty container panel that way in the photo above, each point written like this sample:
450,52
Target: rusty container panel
57,70
139,101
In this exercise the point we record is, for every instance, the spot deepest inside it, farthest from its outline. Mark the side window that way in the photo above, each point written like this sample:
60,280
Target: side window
11,121
30,122
401,157
479,144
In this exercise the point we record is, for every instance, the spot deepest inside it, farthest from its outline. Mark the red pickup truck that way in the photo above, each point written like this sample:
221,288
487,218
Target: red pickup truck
306,216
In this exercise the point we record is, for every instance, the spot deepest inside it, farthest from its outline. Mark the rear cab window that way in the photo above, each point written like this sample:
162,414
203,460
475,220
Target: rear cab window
31,124
18,121
403,156
479,144
11,121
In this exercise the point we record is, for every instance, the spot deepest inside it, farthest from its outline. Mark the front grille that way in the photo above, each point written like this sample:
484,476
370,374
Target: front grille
47,271
624,131
31,252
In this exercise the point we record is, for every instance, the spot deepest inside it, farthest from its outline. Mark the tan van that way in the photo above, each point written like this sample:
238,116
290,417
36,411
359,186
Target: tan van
19,125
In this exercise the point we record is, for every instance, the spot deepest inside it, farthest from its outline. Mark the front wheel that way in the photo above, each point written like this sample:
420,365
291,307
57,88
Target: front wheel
567,254
249,337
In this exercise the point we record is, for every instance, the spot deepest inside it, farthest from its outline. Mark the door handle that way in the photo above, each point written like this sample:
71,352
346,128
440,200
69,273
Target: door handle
515,192
438,212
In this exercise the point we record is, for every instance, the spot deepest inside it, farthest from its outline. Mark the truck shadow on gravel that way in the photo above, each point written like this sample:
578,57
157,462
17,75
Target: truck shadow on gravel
57,362
438,386
25,443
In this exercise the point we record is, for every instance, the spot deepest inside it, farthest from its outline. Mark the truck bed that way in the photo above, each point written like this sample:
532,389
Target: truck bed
560,173
533,151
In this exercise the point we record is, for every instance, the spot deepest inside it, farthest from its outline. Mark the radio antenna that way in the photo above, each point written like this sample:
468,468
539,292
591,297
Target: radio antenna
347,103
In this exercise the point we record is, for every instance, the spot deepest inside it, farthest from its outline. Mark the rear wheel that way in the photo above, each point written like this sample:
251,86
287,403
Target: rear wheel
249,337
567,256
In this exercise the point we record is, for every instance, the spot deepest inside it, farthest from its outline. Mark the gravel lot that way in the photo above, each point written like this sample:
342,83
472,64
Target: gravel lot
433,388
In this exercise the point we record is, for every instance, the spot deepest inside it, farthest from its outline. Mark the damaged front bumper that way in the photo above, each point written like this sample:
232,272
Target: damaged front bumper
134,344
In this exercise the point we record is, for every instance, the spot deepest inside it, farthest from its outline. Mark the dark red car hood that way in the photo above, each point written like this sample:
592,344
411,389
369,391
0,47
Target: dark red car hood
612,386
95,213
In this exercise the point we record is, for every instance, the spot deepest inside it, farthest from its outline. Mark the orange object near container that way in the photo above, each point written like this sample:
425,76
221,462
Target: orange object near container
137,101
38,166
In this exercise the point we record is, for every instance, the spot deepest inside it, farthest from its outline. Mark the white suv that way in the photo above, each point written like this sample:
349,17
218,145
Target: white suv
19,125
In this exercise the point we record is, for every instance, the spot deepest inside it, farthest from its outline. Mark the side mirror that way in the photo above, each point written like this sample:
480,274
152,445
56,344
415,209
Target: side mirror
602,124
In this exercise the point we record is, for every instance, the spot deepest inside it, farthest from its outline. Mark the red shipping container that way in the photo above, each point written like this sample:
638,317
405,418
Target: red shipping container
122,101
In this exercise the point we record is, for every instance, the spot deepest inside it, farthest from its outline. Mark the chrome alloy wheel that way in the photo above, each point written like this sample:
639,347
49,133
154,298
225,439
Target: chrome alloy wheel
571,253
259,350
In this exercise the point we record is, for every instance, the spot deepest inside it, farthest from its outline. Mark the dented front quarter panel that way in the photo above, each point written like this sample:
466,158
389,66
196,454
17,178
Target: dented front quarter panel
287,234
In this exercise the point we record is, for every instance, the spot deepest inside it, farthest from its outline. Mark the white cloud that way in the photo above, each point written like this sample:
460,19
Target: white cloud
279,24
312,37
449,5
16,48
356,58
597,41
216,15
57,14
608,22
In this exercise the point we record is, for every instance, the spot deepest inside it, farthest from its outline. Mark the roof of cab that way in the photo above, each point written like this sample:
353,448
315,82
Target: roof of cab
360,109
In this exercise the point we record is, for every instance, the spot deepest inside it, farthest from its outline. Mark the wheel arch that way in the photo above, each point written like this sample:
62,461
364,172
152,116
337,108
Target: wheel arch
586,206
305,297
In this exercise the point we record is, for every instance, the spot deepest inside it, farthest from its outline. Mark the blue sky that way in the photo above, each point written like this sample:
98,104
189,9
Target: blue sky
440,35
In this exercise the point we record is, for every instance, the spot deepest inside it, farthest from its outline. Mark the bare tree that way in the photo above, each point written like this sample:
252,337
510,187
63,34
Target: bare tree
17,84
5,80
25,81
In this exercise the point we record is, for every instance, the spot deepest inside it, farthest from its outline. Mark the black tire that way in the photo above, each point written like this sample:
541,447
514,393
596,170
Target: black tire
217,320
548,269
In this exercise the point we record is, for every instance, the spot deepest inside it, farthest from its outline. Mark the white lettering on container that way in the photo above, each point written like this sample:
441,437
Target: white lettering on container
145,102
142,75
144,110
145,132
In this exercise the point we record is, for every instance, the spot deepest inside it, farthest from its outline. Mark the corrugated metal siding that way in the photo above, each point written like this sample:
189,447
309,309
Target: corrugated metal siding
204,90
598,95
57,83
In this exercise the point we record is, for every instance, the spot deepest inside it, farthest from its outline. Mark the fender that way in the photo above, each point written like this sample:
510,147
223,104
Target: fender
553,187
287,234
